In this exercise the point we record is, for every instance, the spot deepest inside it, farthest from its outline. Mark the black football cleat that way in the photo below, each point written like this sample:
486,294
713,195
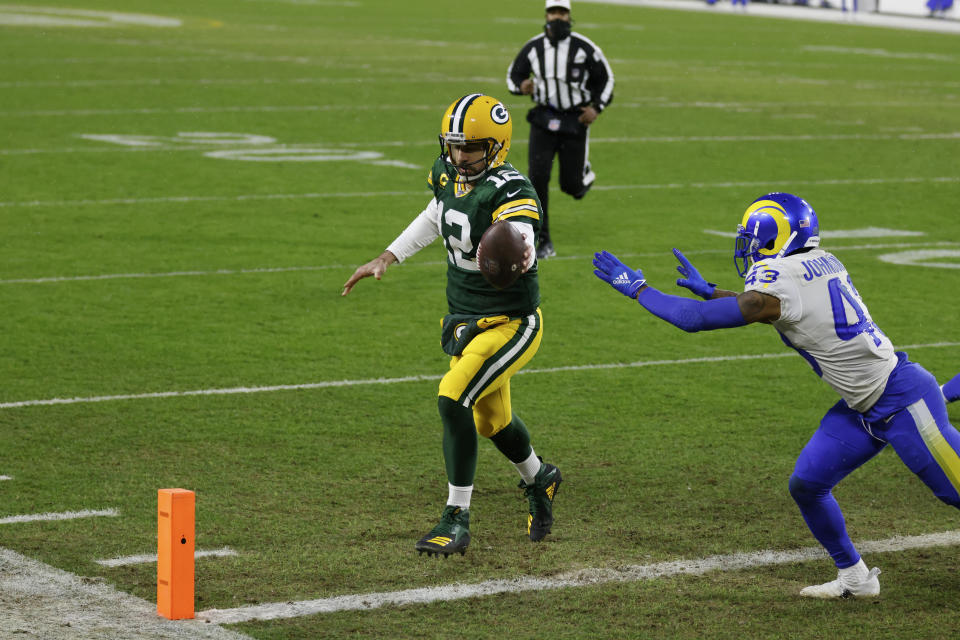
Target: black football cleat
540,494
451,535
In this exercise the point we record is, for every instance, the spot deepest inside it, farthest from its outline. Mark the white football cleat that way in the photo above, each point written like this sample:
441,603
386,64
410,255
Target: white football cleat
852,582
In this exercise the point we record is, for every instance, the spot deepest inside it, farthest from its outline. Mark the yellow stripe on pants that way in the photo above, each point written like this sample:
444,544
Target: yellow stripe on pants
941,450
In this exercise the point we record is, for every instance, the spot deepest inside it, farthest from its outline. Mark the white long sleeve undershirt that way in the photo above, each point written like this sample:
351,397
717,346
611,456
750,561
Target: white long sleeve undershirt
424,229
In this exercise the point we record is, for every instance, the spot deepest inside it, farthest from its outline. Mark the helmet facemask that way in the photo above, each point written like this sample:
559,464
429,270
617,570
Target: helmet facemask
744,249
490,147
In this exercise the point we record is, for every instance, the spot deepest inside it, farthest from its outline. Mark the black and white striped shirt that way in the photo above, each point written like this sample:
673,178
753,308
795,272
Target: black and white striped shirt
571,74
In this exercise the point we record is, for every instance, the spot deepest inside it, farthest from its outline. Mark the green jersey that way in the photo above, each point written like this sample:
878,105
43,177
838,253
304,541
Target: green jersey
503,194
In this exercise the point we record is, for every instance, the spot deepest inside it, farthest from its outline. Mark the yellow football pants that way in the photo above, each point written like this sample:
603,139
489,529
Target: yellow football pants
480,376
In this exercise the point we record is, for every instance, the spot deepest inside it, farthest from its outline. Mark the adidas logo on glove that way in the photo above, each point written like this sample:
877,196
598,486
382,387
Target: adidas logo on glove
623,278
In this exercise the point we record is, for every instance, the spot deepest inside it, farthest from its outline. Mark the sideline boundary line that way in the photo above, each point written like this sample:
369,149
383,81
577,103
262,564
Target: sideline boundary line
46,602
808,14
412,378
579,578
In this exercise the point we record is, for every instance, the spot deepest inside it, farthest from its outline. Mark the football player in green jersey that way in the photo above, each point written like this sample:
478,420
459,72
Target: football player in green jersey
489,333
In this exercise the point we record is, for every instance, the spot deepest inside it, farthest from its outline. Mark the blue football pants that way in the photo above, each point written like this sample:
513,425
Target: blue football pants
920,433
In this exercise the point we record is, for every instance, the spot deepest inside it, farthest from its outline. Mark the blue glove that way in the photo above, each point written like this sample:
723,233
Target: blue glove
618,275
692,279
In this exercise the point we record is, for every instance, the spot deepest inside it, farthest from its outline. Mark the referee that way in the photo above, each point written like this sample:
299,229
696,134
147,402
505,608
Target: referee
571,82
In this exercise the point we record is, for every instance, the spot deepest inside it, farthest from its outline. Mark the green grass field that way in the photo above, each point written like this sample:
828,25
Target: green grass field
135,259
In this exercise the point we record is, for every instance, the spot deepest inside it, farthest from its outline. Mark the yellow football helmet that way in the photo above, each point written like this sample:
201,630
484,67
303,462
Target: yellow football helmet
476,118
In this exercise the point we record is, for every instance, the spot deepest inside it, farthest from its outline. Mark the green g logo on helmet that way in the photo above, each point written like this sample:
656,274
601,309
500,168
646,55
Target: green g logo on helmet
499,113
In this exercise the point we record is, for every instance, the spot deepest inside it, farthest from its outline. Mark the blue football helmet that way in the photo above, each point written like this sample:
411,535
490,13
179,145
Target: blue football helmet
773,226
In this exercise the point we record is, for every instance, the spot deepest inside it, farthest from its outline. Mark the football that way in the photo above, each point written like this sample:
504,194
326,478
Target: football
500,254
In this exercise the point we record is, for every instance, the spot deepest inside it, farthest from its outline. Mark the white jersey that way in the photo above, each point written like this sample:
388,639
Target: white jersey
823,317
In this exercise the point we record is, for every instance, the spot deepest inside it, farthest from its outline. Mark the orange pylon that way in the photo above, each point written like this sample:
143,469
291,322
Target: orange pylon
175,548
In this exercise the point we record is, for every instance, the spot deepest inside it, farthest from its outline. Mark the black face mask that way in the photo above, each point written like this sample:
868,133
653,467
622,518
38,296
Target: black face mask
557,30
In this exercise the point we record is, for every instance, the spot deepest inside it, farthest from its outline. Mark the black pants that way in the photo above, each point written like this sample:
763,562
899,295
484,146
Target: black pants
570,141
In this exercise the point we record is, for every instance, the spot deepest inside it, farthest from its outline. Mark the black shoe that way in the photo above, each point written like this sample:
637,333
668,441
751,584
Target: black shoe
451,535
545,250
540,494
583,192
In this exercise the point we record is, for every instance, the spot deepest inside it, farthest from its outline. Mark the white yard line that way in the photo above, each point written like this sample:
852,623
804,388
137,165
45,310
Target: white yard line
924,258
63,515
434,263
412,378
21,62
837,182
216,392
867,232
60,113
163,82
101,18
420,193
39,601
168,148
237,198
217,272
311,108
802,137
578,578
731,105
6,477
147,558
436,78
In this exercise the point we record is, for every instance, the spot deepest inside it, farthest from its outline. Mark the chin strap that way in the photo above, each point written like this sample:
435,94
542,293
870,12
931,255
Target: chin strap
786,244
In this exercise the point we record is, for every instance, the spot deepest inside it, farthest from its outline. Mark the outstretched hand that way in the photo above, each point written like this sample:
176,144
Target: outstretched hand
618,275
692,279
374,268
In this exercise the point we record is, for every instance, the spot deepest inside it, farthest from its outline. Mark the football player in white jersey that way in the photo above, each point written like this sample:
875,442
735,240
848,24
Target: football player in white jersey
808,296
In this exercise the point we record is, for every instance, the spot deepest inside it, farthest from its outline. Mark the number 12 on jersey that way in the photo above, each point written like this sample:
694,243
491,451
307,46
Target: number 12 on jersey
459,246
839,295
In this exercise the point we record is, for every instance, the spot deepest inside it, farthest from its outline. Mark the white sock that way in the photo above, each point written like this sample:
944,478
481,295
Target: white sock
855,574
459,496
528,468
